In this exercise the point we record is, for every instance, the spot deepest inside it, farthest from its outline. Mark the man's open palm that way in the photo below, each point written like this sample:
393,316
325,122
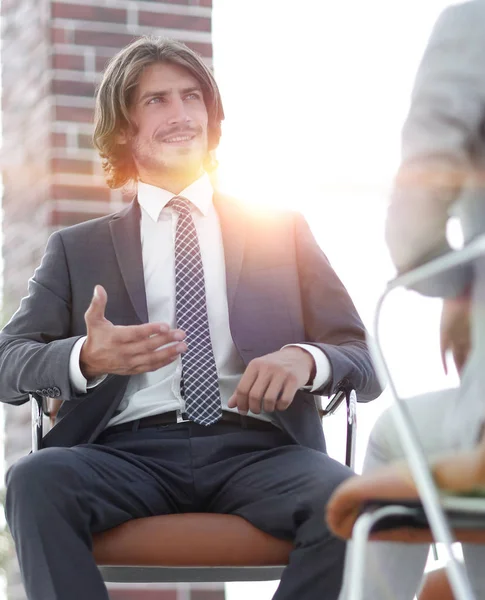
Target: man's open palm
125,350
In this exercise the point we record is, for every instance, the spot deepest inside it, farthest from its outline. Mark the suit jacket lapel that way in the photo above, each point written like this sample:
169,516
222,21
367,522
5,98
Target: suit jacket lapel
125,233
233,226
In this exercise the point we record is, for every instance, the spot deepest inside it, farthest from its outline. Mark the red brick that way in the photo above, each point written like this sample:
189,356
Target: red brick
79,192
70,62
88,13
72,165
102,38
168,21
74,114
204,50
58,140
186,2
101,62
7,5
73,88
59,36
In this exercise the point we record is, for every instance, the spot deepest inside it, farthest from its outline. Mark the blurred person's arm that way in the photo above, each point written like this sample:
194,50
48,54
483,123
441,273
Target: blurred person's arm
444,121
455,333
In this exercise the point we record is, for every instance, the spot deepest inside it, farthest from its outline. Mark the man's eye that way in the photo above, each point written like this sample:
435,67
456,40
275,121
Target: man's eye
193,96
155,100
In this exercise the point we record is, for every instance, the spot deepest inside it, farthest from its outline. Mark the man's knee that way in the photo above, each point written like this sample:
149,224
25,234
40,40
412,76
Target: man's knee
322,483
39,475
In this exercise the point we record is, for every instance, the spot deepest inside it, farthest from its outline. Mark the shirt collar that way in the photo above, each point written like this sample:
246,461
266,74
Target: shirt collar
154,199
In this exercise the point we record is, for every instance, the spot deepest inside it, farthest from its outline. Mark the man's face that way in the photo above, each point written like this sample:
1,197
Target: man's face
170,118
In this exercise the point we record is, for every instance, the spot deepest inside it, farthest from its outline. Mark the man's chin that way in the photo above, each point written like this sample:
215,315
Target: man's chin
182,171
185,159
182,164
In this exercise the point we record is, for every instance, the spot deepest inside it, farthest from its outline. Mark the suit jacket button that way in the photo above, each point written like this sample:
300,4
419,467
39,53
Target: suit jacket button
40,392
57,391
50,392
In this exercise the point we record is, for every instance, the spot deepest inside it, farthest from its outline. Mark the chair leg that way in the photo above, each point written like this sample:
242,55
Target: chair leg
420,471
353,585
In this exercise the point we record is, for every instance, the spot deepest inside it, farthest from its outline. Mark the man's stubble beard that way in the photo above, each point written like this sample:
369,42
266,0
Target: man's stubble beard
153,162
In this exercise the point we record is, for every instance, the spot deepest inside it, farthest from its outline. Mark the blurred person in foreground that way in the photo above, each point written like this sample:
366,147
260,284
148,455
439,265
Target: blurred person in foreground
188,378
442,173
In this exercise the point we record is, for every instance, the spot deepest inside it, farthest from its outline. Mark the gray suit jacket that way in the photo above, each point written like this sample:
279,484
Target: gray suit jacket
443,148
280,287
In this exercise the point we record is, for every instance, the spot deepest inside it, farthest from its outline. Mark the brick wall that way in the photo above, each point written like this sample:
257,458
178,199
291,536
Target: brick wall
53,52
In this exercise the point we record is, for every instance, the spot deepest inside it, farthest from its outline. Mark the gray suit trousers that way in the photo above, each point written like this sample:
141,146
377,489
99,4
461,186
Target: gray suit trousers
58,497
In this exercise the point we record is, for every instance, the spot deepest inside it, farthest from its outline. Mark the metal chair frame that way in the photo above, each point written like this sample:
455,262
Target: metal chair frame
432,503
194,573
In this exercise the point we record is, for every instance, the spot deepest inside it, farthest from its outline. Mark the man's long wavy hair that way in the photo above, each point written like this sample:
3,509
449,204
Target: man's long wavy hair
116,91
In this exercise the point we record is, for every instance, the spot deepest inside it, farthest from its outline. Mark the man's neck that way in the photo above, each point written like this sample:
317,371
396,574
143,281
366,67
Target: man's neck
172,182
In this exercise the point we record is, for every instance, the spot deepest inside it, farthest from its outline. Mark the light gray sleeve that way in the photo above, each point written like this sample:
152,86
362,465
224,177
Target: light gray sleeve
444,123
35,345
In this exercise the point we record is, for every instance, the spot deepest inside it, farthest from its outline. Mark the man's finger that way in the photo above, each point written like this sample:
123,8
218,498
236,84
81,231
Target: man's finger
444,349
239,399
273,392
286,398
257,391
126,334
154,342
96,310
460,354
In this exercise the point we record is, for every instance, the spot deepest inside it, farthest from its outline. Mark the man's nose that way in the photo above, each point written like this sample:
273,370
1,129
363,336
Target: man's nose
178,112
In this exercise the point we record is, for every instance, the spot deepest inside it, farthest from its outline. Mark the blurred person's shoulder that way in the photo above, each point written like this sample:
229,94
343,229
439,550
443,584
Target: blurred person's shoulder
465,11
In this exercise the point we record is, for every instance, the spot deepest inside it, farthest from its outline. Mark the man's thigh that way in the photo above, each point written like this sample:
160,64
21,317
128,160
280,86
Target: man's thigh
279,488
109,485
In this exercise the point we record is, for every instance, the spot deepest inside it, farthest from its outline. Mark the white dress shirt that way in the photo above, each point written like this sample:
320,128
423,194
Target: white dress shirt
157,392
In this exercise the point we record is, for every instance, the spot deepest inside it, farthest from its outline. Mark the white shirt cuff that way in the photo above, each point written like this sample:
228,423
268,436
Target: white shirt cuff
323,369
76,377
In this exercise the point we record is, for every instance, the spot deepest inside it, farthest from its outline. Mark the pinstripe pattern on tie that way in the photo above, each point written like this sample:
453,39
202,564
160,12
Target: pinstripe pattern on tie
200,382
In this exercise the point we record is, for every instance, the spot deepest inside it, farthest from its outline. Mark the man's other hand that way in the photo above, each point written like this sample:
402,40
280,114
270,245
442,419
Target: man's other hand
125,350
270,382
455,331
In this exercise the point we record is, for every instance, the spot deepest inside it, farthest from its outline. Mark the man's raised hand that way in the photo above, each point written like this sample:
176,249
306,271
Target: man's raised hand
125,350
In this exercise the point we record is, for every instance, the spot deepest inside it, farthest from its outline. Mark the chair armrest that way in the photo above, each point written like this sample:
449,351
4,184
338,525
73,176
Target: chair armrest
333,403
42,406
344,392
37,407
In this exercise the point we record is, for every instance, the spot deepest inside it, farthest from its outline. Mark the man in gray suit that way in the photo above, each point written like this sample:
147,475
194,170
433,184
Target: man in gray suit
188,378
442,169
